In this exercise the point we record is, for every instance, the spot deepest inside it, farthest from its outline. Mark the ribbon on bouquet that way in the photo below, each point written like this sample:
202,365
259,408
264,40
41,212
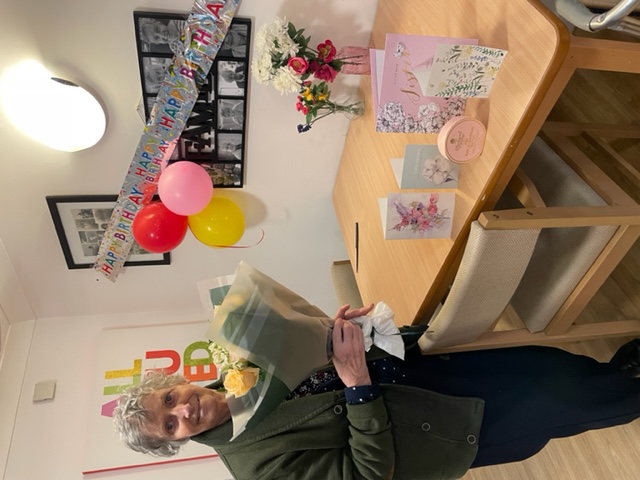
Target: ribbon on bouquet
205,30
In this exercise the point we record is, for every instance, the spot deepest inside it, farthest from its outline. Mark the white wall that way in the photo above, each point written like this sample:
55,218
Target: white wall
50,437
288,194
289,177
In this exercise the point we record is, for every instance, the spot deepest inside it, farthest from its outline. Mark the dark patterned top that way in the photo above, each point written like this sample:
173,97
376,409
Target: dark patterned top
388,370
311,384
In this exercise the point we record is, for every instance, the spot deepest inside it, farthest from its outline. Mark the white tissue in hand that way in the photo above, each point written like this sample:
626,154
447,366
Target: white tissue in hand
385,332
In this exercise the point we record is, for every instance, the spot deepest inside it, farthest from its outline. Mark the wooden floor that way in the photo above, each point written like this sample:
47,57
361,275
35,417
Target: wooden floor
612,453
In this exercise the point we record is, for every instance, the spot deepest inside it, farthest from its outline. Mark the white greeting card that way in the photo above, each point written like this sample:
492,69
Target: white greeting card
464,70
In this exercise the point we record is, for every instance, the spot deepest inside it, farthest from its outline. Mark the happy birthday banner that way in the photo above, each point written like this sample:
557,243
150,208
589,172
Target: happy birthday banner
206,28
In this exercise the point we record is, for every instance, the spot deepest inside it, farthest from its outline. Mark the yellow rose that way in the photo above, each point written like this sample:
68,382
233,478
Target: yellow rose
239,382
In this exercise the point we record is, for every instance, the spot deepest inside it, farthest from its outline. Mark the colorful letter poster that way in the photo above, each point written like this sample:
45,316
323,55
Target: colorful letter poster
123,357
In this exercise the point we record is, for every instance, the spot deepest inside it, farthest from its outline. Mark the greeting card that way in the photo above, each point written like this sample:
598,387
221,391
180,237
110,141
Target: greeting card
423,166
402,104
417,215
464,70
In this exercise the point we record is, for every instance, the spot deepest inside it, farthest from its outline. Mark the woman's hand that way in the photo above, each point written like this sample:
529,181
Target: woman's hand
348,315
348,348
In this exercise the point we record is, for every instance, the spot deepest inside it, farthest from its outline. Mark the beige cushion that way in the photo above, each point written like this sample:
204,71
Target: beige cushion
344,282
562,255
491,268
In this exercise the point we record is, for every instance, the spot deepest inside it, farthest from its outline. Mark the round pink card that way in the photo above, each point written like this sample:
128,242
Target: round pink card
462,139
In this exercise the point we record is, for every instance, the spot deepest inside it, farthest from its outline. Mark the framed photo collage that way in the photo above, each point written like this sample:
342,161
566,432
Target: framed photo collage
215,133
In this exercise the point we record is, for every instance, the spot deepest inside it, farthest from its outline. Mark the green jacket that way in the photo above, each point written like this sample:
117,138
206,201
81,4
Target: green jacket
406,434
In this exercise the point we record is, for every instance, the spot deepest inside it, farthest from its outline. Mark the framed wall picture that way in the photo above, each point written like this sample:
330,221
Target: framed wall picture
215,133
80,222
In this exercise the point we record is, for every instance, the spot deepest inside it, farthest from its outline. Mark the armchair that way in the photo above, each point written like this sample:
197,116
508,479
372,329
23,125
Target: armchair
588,223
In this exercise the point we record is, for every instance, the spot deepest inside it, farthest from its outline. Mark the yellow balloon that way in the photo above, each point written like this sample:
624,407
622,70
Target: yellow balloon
219,224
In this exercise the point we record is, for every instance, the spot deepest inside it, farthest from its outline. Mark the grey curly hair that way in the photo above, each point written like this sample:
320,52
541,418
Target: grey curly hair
129,416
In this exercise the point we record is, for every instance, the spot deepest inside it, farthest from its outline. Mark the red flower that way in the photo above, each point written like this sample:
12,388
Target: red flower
326,73
326,51
298,105
298,65
305,109
314,65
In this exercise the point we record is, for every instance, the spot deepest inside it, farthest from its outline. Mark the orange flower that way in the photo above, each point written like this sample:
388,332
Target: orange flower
239,382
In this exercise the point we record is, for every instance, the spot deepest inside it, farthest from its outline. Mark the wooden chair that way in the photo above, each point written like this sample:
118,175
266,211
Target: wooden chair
588,225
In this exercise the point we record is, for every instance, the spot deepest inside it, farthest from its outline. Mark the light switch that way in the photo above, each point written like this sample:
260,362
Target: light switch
44,391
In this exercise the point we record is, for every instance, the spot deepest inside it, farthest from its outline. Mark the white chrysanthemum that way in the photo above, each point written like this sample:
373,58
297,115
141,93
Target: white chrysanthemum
262,41
286,46
279,26
262,69
286,80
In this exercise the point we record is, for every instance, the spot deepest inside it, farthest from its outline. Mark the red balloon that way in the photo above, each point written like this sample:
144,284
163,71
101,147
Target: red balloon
157,229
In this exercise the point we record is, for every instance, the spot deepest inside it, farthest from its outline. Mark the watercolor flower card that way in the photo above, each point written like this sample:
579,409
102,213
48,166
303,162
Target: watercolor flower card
417,215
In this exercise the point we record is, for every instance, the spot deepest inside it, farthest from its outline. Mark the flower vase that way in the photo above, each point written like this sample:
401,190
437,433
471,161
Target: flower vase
352,108
355,60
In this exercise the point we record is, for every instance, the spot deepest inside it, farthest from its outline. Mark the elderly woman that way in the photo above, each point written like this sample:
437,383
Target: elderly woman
428,417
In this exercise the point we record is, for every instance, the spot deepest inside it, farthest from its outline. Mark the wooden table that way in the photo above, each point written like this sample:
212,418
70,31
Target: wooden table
411,276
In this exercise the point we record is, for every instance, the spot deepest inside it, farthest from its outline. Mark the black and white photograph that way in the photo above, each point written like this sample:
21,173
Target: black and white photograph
215,131
236,42
224,174
230,146
158,34
151,101
154,70
232,78
80,222
230,114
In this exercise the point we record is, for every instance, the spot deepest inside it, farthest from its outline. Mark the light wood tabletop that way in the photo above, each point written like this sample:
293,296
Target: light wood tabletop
411,276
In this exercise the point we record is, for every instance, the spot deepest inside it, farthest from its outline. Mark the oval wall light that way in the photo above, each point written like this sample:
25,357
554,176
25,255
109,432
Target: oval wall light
53,111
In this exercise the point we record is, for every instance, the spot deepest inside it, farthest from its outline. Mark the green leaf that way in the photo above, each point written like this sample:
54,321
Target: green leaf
309,117
291,30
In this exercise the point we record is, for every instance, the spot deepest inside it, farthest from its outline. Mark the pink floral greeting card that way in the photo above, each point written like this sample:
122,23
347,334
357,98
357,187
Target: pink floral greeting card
402,103
417,215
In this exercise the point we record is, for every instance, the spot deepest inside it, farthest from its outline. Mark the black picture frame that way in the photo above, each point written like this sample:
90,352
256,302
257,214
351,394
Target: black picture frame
220,112
80,222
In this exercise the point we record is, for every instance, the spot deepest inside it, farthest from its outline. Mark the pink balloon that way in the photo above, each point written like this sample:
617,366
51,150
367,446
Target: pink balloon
185,188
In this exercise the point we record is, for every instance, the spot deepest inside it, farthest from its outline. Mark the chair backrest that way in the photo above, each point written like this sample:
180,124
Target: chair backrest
344,282
562,255
491,268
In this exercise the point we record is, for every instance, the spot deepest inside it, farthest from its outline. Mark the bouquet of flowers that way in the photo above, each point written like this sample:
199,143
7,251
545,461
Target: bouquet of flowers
266,339
285,59
315,103
240,375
